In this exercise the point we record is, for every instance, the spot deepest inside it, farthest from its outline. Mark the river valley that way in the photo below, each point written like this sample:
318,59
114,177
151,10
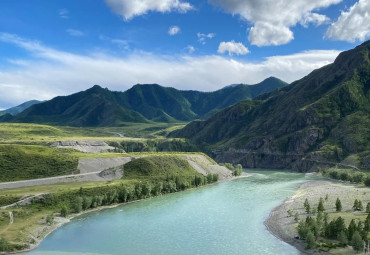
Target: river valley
225,218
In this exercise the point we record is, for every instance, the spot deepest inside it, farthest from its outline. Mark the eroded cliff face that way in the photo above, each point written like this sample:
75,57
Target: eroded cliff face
269,152
318,121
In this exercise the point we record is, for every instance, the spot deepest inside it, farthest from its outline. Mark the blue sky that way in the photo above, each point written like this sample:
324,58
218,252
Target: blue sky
51,48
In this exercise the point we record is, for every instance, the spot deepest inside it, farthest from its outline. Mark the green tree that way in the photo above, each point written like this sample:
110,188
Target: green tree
357,242
147,189
357,205
307,206
302,229
122,194
77,204
310,239
368,207
367,182
64,211
342,238
4,245
320,207
86,203
352,227
367,223
50,219
339,225
338,205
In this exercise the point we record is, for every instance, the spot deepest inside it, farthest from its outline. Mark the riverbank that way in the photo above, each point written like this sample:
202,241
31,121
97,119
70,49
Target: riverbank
284,227
42,230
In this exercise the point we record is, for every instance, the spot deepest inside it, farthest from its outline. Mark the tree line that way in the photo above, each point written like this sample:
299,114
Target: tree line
312,228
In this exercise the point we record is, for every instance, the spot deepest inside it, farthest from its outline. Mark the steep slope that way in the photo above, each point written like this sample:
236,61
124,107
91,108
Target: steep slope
318,120
101,107
17,109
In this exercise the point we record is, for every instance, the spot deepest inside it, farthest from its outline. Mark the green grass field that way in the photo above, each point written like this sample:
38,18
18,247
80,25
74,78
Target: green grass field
25,151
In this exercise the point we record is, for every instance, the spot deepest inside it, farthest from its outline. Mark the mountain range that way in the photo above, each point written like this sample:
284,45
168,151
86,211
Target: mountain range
320,120
19,108
141,103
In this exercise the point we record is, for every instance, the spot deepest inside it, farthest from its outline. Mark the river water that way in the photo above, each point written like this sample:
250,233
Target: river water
225,218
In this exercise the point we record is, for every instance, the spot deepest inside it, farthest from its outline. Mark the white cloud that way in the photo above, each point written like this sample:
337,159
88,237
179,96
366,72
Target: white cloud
273,19
203,37
74,32
63,13
314,18
190,49
232,48
264,33
52,72
131,8
352,25
174,30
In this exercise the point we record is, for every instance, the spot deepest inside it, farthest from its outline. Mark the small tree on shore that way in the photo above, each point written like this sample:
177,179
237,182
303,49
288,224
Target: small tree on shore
311,242
4,245
320,207
338,205
307,206
50,219
64,211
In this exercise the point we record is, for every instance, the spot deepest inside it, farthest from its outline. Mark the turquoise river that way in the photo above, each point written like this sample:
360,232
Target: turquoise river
224,218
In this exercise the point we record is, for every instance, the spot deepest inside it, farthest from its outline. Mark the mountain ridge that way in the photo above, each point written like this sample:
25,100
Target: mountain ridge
19,108
97,106
312,120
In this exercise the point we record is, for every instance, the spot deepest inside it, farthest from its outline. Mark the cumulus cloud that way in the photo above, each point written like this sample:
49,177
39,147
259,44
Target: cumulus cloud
74,32
63,13
273,19
232,48
203,37
352,25
53,72
174,30
314,18
129,8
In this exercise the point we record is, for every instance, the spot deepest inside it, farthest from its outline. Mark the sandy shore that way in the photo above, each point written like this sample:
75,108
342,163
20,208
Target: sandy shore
283,227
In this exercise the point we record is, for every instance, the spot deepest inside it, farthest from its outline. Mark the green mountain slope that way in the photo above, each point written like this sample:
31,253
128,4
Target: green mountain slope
318,120
93,107
142,103
17,109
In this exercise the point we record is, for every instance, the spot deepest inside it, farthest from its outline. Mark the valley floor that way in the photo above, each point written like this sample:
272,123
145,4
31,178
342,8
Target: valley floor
284,227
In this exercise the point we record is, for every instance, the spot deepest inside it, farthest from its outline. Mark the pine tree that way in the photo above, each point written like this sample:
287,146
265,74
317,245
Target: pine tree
367,223
320,207
368,207
357,242
357,205
351,229
342,238
307,206
338,205
311,242
360,206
